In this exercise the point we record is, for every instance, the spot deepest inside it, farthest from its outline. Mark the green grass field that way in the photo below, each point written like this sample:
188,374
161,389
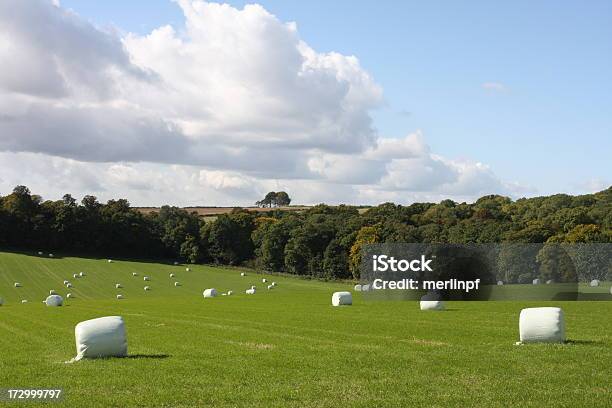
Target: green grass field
287,346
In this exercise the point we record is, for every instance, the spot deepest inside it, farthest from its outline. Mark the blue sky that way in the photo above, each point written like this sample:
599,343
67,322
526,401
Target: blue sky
550,126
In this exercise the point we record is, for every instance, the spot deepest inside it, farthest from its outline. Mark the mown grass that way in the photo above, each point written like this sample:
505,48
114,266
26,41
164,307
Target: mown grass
288,346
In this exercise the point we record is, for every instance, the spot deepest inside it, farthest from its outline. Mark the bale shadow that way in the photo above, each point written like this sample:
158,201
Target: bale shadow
583,342
148,356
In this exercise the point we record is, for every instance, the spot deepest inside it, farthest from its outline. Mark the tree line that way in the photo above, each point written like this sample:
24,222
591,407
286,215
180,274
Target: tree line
322,241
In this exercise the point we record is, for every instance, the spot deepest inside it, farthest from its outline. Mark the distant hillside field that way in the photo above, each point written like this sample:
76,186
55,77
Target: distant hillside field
286,347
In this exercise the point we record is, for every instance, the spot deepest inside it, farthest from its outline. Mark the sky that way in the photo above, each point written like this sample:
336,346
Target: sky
193,103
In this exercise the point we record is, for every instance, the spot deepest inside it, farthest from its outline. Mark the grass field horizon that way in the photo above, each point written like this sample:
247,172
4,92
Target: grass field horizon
287,346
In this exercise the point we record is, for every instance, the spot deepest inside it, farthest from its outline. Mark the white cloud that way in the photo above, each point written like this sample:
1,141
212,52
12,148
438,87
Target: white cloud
218,112
494,86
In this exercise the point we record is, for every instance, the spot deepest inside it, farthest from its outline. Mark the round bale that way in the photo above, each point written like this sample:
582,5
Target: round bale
210,293
542,325
594,283
342,299
101,337
54,300
431,301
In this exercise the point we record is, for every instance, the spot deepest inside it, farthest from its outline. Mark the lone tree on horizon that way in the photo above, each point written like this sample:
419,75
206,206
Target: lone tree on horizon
274,199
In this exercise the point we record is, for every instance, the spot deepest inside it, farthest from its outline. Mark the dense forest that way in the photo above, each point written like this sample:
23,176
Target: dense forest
323,241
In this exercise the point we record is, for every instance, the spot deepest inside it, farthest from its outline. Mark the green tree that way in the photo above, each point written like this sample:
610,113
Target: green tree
366,235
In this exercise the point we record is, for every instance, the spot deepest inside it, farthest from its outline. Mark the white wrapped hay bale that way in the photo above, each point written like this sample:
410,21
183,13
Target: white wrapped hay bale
594,283
357,288
54,300
536,281
500,283
172,275
229,293
187,269
146,278
147,288
366,288
17,284
119,296
550,282
342,299
542,325
66,282
273,284
110,261
175,263
102,337
134,274
210,293
69,296
431,301
52,292
24,300
118,286
69,285
270,287
40,252
75,276
242,274
432,305
81,274
177,283
264,280
250,291
50,255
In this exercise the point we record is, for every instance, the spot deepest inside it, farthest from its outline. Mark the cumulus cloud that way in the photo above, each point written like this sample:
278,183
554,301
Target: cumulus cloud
230,105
